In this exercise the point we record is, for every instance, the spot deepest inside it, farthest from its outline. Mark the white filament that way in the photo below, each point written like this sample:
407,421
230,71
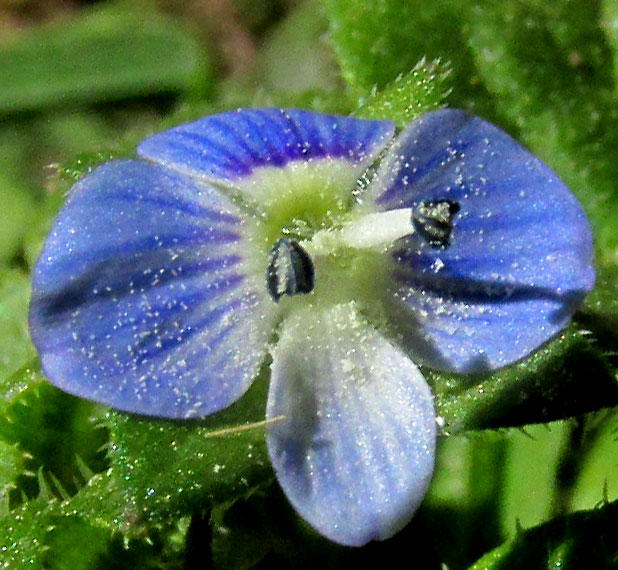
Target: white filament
378,230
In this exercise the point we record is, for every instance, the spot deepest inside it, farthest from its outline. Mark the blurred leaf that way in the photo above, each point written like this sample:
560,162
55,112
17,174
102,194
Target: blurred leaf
463,503
296,57
296,68
331,102
598,473
582,540
42,221
17,208
529,486
17,195
15,346
609,23
259,15
551,70
109,53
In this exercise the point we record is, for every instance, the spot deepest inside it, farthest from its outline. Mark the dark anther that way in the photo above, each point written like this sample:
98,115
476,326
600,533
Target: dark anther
433,220
290,269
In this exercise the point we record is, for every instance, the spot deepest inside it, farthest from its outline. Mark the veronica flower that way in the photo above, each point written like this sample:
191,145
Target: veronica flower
351,253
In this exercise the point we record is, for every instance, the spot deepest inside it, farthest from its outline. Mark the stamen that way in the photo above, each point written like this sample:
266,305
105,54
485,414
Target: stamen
433,220
290,269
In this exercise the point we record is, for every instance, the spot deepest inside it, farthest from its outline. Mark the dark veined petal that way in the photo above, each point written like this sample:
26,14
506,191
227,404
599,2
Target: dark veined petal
354,451
508,265
230,147
144,296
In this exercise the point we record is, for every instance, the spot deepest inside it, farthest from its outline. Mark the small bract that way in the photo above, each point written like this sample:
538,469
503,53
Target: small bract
163,279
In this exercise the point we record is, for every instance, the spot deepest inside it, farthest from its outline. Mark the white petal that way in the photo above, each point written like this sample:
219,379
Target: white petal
355,451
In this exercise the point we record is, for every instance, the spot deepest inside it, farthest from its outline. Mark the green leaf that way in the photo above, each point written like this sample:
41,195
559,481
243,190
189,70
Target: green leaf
581,540
546,386
172,468
109,53
375,42
462,509
99,501
16,190
74,544
597,476
15,346
529,488
23,532
423,89
44,427
609,23
599,314
58,432
12,461
79,533
18,204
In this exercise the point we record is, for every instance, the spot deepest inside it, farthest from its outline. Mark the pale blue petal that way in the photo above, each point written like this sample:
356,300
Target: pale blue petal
230,147
145,297
354,435
520,258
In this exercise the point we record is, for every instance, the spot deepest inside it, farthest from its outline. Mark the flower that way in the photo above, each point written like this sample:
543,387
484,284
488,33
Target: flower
165,279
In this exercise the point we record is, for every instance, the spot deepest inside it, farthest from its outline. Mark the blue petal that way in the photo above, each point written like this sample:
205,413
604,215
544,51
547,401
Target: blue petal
144,294
354,451
229,147
520,258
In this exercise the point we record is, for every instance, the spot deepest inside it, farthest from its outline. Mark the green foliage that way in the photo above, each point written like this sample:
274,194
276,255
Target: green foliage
581,540
168,469
15,347
81,487
544,387
566,113
108,54
375,42
284,65
409,95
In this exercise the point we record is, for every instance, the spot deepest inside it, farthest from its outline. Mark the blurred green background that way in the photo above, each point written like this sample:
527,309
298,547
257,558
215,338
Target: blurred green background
527,475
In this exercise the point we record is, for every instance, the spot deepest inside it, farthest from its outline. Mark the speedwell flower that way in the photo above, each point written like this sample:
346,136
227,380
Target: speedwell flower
165,280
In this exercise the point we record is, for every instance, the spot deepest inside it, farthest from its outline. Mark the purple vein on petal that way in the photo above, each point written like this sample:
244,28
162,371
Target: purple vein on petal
229,147
519,259
138,303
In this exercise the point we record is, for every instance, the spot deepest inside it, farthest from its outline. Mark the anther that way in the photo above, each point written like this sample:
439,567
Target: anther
289,270
433,220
